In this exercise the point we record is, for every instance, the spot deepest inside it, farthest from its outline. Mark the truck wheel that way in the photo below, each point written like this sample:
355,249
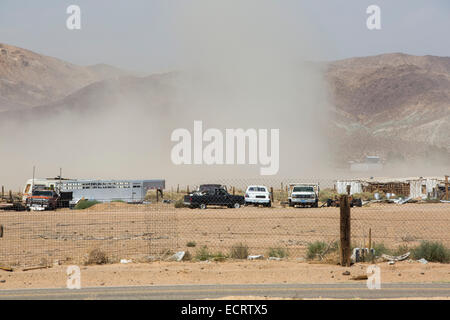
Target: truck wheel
291,204
202,206
236,205
268,205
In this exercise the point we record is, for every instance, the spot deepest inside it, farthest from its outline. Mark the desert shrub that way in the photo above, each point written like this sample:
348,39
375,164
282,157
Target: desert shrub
326,194
187,256
431,251
366,196
239,251
191,244
320,249
84,204
180,204
219,256
277,252
120,201
380,249
400,250
97,256
203,254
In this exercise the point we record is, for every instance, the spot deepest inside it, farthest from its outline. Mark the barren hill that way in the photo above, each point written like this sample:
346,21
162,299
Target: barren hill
382,104
393,99
29,79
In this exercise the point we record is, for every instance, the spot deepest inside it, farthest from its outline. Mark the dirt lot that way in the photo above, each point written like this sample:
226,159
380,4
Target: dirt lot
142,232
229,272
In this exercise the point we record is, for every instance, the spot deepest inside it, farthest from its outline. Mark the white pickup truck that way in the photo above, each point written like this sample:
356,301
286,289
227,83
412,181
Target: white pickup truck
303,194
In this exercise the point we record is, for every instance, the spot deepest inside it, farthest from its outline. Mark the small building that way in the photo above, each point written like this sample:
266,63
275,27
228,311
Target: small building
414,187
370,163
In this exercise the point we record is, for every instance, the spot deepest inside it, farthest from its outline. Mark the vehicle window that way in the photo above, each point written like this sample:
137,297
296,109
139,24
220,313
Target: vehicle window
303,189
43,193
251,189
27,189
260,189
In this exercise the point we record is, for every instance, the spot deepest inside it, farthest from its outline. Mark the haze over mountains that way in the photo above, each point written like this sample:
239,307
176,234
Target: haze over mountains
28,79
390,105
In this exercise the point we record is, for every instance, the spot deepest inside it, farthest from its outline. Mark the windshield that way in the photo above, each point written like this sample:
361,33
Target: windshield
257,189
303,189
43,193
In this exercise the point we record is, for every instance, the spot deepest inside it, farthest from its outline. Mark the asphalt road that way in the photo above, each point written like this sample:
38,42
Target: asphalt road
182,292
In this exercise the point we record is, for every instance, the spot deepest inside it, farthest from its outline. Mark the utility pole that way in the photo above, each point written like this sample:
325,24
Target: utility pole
446,188
344,206
32,185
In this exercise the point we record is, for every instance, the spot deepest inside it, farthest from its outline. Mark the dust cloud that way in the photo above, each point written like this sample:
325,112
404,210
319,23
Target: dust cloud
239,64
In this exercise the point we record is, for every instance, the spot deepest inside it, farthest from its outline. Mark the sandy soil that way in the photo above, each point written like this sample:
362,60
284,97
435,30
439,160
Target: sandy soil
229,272
140,231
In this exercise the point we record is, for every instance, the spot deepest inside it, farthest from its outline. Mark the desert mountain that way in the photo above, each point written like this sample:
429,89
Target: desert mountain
389,105
393,96
29,79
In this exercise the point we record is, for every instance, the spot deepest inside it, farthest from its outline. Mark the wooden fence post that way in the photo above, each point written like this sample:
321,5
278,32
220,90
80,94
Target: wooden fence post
271,194
344,206
446,188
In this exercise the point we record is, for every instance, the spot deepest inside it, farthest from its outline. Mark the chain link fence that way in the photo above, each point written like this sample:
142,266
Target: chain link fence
155,230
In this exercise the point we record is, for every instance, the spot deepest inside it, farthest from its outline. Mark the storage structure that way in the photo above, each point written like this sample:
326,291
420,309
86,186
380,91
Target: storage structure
131,191
73,190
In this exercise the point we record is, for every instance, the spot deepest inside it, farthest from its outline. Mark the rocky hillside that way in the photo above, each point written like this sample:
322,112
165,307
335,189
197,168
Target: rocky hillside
29,79
393,97
388,104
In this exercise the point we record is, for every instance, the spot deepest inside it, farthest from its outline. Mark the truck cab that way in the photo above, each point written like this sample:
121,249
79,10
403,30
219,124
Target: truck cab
301,194
42,199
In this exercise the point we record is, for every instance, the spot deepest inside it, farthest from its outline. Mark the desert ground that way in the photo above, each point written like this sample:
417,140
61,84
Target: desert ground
228,272
151,232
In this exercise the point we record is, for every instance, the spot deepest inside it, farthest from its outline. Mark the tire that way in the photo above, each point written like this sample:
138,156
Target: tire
236,205
268,205
202,206
291,204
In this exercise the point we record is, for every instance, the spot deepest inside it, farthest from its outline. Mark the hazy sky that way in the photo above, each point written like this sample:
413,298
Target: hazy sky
138,34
